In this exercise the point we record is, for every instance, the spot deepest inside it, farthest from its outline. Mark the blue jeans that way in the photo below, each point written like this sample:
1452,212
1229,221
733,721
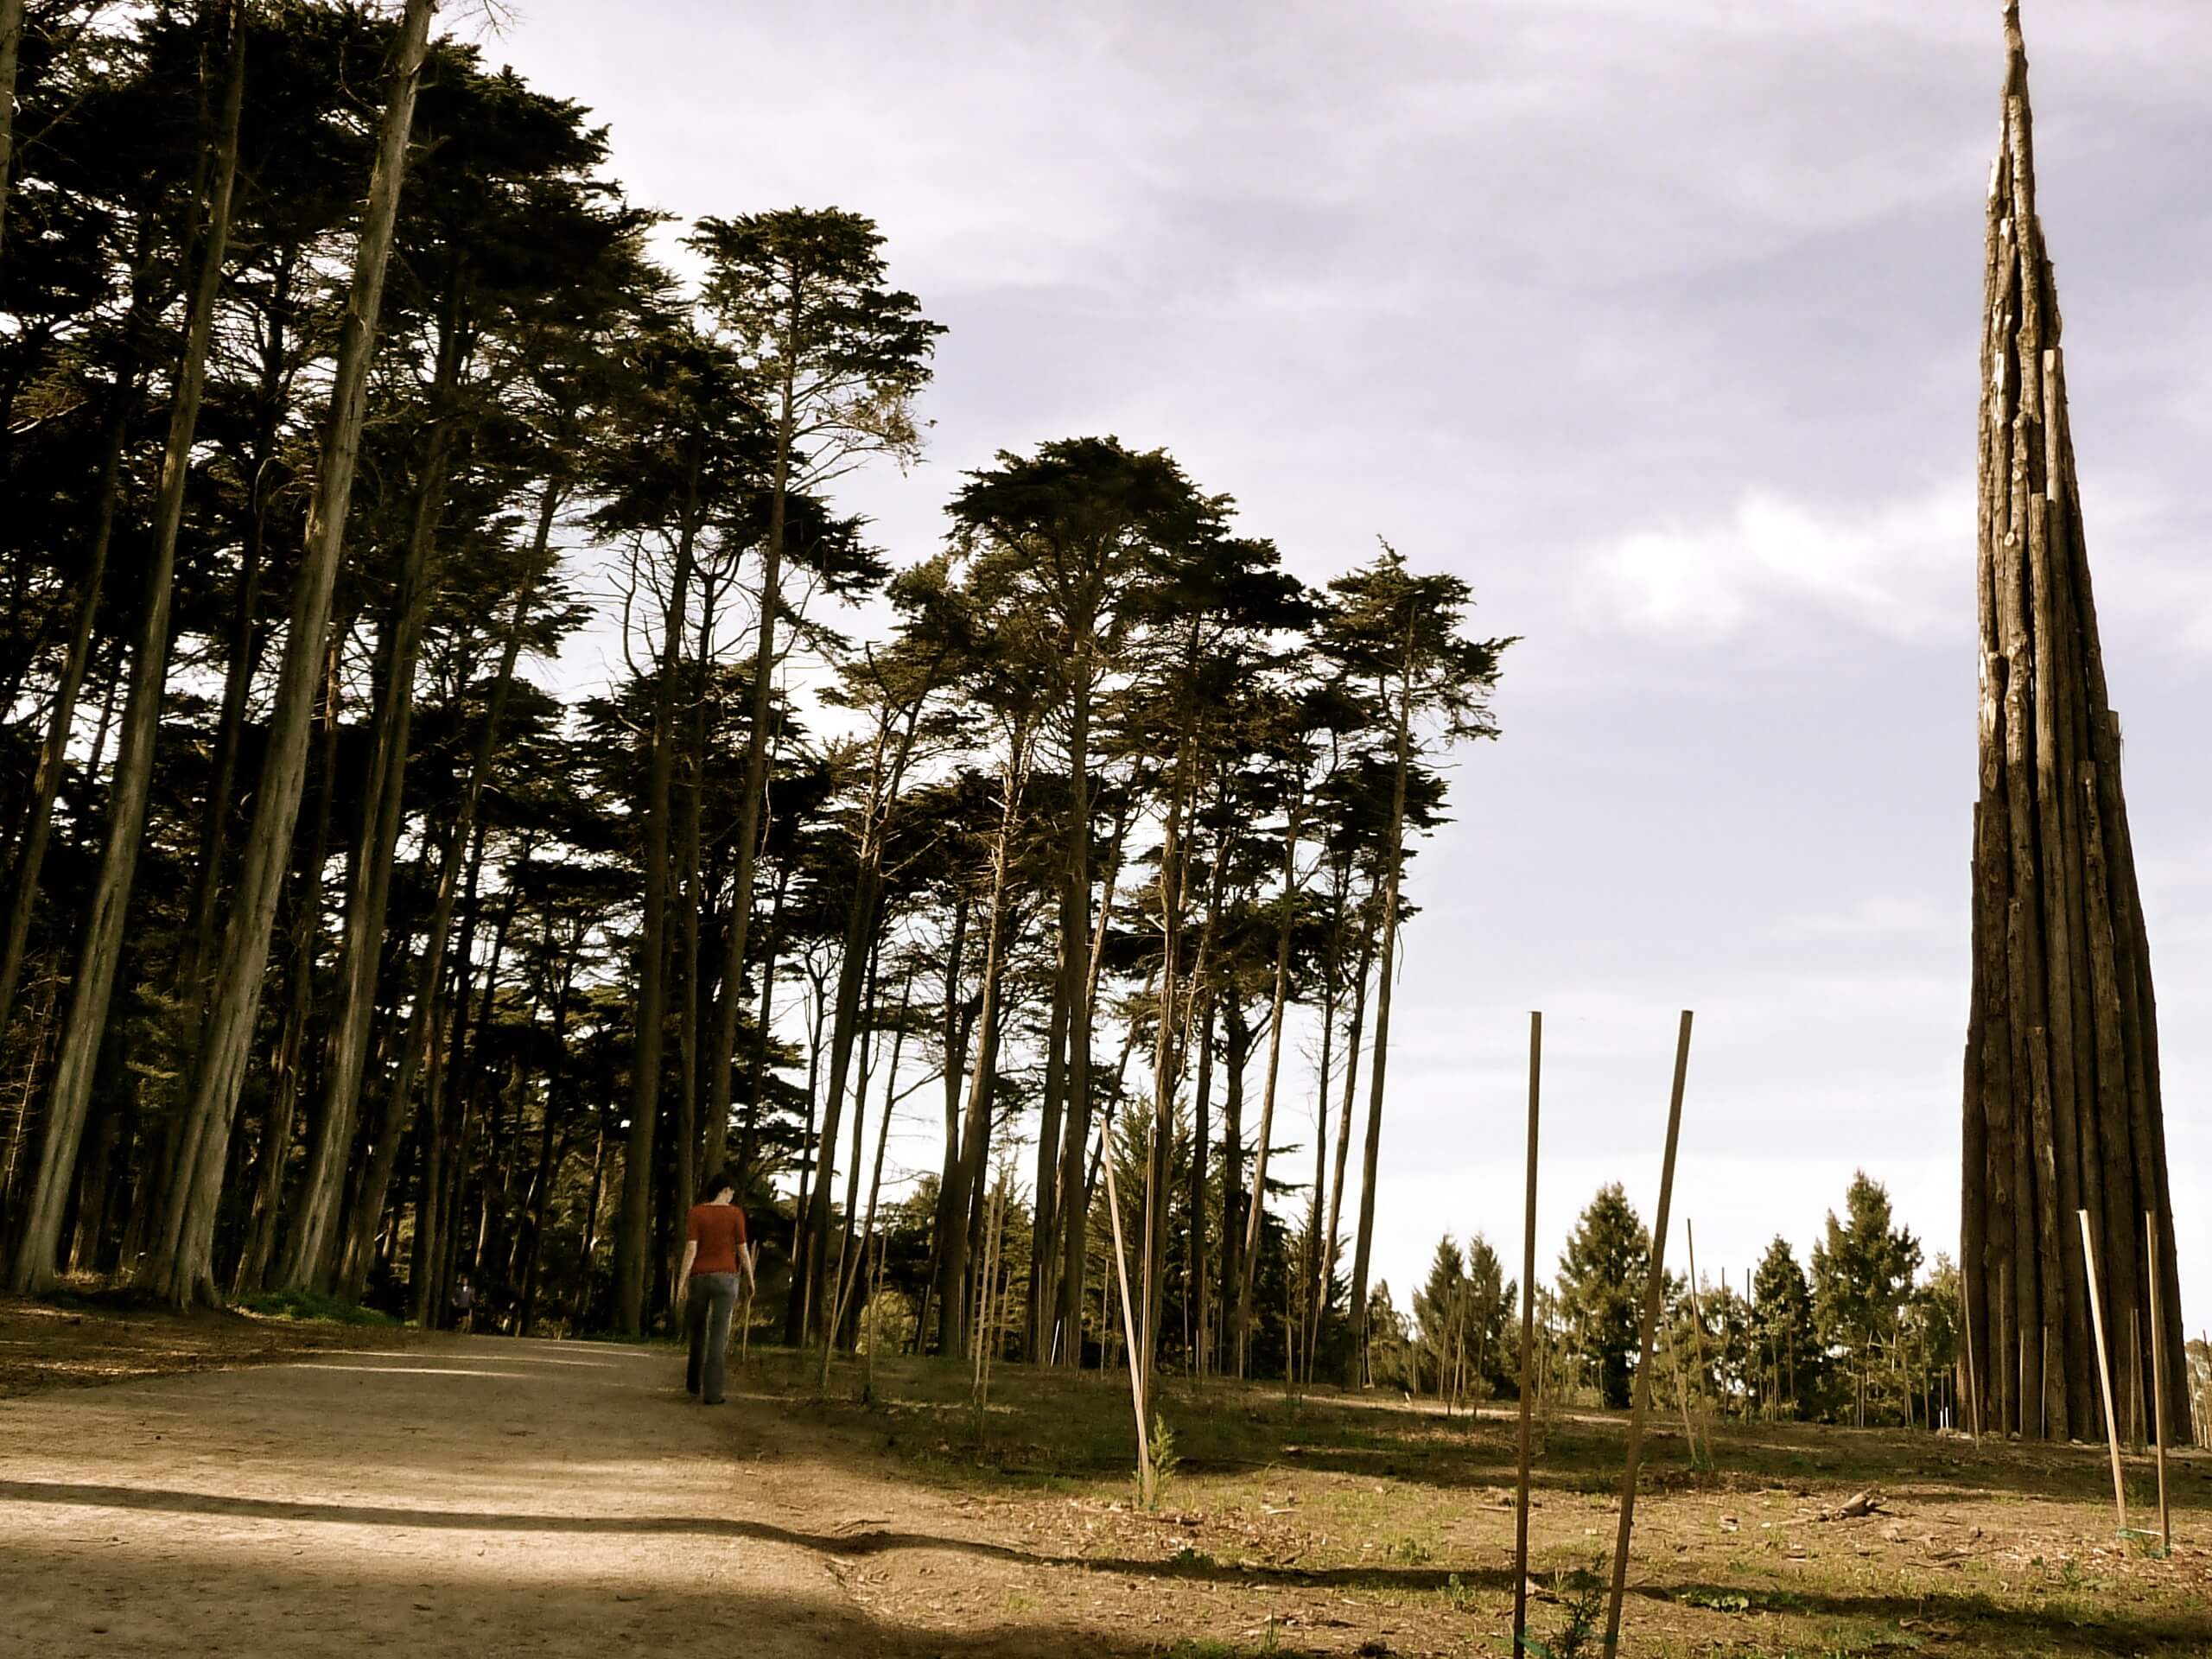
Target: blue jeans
713,1300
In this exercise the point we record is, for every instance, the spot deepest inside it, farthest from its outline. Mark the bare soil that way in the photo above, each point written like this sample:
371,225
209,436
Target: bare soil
84,1341
483,1495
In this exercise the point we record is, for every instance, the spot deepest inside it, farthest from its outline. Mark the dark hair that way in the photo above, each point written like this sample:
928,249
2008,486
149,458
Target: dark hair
720,1181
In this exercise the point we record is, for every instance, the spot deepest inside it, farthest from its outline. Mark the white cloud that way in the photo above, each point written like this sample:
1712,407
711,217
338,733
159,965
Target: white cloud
1901,571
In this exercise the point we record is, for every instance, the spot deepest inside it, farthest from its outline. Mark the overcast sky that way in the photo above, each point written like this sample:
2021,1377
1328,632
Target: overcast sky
1657,323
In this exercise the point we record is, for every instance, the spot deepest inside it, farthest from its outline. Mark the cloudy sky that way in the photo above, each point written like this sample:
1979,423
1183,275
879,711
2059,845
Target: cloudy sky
1657,322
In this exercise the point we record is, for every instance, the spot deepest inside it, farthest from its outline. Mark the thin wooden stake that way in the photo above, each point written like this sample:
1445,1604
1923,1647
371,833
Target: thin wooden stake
2158,1380
1653,1289
1697,1327
1528,1339
1128,1321
2104,1371
745,1328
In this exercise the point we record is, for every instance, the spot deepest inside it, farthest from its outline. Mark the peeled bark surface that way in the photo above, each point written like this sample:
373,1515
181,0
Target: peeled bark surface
2062,1102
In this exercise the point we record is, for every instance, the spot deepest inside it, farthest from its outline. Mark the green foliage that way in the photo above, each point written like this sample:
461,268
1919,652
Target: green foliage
1463,1313
311,1305
1790,1363
1581,1595
1601,1281
1862,1279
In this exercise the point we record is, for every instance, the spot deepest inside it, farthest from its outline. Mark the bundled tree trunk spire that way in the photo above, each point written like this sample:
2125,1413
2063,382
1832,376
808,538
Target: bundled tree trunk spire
2062,1103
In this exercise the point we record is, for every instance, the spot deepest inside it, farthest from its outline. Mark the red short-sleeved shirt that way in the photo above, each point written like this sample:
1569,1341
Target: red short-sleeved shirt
717,1229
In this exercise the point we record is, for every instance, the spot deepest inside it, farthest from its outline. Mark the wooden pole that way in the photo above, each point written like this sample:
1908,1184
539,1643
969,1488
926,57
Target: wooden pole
1697,1328
1128,1321
2104,1370
2158,1377
744,1325
1654,1288
1528,1339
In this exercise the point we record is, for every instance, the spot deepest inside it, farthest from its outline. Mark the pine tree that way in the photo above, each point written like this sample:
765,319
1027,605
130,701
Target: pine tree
1862,1275
1601,1280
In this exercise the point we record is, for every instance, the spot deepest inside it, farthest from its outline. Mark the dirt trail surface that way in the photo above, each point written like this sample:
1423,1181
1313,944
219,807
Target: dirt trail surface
457,1495
446,1495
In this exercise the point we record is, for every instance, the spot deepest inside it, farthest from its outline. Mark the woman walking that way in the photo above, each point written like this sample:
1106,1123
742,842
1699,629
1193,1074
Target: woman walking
713,1254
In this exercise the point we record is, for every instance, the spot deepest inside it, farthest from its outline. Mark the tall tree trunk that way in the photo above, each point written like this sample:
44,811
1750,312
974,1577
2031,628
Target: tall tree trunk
752,802
954,1200
31,856
853,962
1158,1140
1394,870
311,1256
1075,1135
690,1146
46,788
2062,1108
808,1165
633,1236
1044,1212
1317,1264
953,1034
1280,1002
287,1079
1332,1233
238,679
833,1306
464,847
178,1268
32,1269
11,40
748,1141
1236,1049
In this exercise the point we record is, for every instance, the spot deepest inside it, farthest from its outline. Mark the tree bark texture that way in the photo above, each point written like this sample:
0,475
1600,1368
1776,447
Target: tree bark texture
33,1266
179,1267
2062,1099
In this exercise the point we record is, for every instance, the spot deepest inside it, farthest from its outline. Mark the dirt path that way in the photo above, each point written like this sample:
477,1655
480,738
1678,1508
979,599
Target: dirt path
461,1495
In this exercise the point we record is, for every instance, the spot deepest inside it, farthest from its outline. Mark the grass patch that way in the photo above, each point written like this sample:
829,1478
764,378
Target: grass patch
312,1306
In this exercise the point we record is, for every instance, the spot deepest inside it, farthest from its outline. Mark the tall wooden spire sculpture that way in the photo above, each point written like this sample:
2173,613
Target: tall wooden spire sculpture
2061,1065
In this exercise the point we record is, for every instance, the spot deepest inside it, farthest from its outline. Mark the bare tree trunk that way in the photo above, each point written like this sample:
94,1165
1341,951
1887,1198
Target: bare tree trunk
689,1145
753,803
1258,1205
967,1167
853,964
833,1304
1075,1136
1043,1217
748,1144
33,1267
549,1160
633,1236
11,40
287,1080
30,857
238,680
1318,1265
178,1268
391,1129
1392,872
311,1257
1159,1139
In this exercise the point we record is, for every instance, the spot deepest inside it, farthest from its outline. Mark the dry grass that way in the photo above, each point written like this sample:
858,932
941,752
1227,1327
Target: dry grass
1320,1517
